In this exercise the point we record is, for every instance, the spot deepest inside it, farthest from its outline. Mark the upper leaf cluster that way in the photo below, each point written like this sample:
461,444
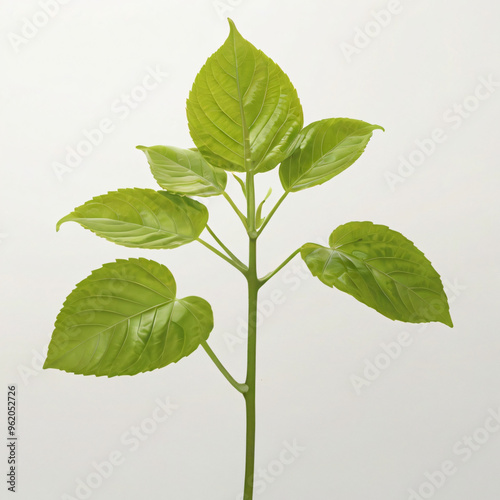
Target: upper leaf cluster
244,115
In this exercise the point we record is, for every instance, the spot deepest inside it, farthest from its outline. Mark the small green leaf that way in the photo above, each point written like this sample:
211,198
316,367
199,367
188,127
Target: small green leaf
325,149
184,171
242,184
382,269
125,319
240,93
258,215
142,218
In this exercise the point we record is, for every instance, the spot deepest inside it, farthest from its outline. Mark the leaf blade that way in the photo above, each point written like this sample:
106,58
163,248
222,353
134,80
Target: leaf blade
184,171
382,269
324,149
239,93
125,319
142,218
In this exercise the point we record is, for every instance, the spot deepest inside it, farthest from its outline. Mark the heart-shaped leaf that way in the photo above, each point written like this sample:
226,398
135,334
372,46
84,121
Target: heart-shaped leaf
184,171
382,269
125,319
243,112
142,218
324,149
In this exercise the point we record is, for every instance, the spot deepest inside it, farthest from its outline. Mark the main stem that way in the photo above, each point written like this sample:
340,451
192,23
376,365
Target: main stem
253,289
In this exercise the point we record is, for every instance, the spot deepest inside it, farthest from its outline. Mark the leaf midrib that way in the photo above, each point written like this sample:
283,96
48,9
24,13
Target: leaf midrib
398,283
153,229
318,161
246,152
204,181
114,325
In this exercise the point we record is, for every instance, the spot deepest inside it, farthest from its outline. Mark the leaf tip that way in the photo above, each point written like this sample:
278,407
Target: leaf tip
445,316
141,148
60,222
448,321
232,28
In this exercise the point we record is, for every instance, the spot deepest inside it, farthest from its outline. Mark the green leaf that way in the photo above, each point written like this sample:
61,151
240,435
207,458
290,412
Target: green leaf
240,93
325,148
242,184
124,319
258,215
142,218
382,269
184,171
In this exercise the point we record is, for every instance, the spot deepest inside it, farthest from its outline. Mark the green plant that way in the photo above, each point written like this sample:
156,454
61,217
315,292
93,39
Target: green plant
244,116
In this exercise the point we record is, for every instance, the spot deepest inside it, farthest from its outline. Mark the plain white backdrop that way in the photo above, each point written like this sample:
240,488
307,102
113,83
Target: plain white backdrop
420,72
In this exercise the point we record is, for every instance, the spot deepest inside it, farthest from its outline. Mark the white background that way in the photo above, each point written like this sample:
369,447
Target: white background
377,442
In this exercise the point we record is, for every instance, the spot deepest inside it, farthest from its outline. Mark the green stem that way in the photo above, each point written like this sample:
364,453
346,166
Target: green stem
239,387
271,213
253,289
242,268
268,276
224,247
236,209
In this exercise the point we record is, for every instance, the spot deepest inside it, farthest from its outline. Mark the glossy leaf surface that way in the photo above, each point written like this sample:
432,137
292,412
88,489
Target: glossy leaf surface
184,171
382,269
125,319
142,218
239,93
325,149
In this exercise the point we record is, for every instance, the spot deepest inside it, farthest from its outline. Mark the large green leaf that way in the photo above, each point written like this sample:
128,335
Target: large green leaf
324,149
382,269
238,93
184,171
142,218
125,319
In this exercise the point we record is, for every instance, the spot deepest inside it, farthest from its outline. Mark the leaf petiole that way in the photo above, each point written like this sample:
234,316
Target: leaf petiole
268,276
271,213
239,387
224,247
241,267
